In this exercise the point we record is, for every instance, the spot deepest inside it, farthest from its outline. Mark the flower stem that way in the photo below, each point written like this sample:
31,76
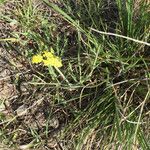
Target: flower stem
63,76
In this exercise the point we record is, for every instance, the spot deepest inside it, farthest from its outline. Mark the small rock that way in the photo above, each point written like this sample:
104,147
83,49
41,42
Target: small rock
22,110
7,90
54,122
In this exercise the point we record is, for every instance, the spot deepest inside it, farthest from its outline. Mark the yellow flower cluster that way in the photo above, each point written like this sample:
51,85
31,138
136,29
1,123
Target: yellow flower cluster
48,59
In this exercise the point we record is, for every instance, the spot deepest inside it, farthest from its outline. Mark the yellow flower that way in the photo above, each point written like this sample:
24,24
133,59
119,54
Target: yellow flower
53,61
37,59
48,58
48,54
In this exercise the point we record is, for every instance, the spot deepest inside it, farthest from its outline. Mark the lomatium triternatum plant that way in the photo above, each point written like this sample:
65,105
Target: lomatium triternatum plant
49,59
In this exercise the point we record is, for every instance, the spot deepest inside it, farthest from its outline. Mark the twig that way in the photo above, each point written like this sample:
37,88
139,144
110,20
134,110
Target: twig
122,36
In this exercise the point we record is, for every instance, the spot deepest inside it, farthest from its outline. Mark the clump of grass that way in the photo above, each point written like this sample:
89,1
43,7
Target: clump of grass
100,95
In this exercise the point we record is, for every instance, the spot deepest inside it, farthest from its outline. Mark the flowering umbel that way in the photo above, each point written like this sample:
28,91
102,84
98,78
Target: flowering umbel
48,59
37,59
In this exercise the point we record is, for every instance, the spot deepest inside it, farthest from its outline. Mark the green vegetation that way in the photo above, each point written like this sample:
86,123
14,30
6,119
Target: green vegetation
99,98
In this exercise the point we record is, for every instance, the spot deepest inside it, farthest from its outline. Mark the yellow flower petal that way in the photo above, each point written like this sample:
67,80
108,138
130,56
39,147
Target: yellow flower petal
48,54
46,62
37,59
48,59
55,62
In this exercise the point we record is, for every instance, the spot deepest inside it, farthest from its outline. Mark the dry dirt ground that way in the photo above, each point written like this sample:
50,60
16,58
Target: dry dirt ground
22,106
21,110
19,113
